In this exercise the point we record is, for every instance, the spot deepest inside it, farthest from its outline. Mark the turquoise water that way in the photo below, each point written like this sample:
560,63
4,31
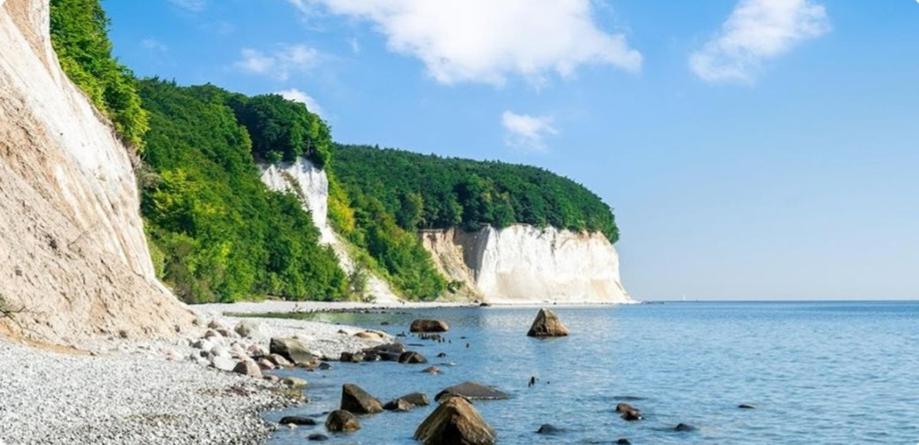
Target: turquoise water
817,373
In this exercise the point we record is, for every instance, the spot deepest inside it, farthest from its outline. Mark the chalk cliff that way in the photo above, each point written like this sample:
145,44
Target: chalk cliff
73,257
311,185
522,264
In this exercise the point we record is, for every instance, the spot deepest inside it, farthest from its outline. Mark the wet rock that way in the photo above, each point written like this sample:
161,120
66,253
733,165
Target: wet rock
471,391
294,382
628,412
325,366
316,437
358,401
352,357
433,370
298,420
441,355
623,441
412,358
548,429
342,421
249,368
547,324
293,350
746,406
416,398
683,427
455,421
429,326
400,405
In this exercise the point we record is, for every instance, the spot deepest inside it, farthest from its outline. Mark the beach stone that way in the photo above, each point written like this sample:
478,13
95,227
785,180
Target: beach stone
342,421
249,368
412,358
293,350
471,391
280,361
400,405
298,420
316,437
352,357
265,364
202,344
455,421
429,326
683,427
249,329
256,350
210,333
223,362
271,378
547,324
370,335
294,382
216,324
628,412
548,429
358,401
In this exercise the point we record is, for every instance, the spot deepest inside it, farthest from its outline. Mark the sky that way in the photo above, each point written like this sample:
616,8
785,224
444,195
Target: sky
751,149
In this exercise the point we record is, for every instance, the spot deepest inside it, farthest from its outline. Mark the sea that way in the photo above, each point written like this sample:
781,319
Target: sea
814,373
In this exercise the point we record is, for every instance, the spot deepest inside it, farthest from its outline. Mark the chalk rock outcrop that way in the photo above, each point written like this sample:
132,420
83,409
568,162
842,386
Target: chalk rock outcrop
524,264
73,256
311,185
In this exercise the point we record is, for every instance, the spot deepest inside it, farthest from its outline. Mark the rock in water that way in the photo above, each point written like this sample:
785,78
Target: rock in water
416,398
411,358
316,437
298,420
341,421
400,405
429,326
628,412
683,427
455,421
547,324
358,401
746,406
548,429
294,350
471,391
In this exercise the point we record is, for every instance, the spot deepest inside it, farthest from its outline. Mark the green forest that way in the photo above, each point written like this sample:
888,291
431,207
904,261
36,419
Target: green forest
218,234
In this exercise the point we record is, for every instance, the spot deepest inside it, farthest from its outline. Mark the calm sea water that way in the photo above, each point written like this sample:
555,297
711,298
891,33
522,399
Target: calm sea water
817,373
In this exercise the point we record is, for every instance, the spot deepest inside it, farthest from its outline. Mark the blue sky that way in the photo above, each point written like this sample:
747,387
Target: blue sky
752,149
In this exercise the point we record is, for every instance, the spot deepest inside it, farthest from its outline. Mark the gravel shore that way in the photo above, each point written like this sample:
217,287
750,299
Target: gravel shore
128,391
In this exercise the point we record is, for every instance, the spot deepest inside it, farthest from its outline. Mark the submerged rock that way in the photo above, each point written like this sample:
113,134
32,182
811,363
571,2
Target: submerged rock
623,441
548,429
429,326
547,324
628,412
294,382
412,358
293,350
298,420
316,437
455,422
746,406
471,391
342,421
683,427
358,401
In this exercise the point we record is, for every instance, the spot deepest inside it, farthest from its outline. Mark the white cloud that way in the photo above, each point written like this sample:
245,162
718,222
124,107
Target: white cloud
153,45
757,30
487,41
190,5
299,96
526,132
280,63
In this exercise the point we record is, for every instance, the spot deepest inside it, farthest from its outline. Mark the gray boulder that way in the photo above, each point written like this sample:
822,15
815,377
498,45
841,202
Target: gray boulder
293,350
358,401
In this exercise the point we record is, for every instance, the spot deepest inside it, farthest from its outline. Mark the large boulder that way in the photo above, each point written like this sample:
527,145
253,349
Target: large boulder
248,367
416,398
429,326
412,358
293,350
547,324
471,391
358,401
455,422
342,421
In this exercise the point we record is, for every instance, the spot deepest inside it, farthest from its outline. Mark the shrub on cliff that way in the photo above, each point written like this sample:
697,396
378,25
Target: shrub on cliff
79,34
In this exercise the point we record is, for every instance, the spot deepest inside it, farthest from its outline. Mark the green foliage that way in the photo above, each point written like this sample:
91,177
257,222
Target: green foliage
222,234
79,35
282,129
426,191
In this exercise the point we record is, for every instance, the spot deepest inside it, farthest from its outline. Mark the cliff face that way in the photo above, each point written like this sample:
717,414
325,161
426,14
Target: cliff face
522,264
311,185
73,255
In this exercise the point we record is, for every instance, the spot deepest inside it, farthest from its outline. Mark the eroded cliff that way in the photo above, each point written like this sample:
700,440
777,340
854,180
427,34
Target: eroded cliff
73,258
523,264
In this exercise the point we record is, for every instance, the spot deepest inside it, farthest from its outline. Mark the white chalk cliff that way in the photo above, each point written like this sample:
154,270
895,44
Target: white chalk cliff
73,256
311,185
523,264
